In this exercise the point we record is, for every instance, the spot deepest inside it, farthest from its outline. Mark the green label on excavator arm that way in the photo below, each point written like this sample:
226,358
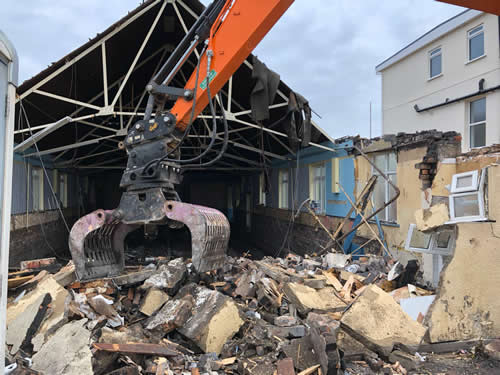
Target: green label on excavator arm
210,77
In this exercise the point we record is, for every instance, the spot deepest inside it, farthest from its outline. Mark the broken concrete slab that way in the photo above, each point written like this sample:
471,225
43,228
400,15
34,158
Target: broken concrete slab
23,328
307,299
431,218
172,315
133,277
493,349
153,301
169,277
47,285
464,308
215,319
67,352
318,282
378,318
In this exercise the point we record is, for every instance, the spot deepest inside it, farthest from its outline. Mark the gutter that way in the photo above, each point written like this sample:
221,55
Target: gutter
481,91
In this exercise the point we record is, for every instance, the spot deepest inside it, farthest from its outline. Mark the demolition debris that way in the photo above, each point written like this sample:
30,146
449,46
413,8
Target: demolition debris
272,316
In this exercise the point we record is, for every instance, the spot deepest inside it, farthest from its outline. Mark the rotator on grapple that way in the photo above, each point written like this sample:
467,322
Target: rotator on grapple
154,165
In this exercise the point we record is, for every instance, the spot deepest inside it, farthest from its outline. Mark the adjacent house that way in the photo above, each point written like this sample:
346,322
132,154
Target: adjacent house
448,79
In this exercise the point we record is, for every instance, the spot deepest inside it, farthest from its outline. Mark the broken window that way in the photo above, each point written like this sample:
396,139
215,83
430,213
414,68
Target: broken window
466,200
477,123
383,191
37,186
317,173
476,42
283,188
262,189
440,243
435,62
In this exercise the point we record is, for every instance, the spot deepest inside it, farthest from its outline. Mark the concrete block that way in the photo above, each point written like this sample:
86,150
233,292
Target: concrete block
432,217
378,318
307,299
285,321
21,330
169,277
153,301
172,315
215,319
67,352
286,332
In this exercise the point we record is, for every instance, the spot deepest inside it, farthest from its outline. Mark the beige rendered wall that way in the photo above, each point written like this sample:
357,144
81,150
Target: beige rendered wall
406,83
467,305
408,202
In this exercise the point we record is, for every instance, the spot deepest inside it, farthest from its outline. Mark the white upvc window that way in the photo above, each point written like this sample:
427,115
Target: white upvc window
63,189
262,189
467,198
467,181
475,42
284,180
383,191
435,62
477,123
439,243
317,186
37,188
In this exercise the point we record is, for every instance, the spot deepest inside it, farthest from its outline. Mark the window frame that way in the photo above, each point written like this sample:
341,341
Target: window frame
312,185
63,195
471,35
281,203
41,200
433,242
475,182
387,186
262,192
431,56
480,198
471,124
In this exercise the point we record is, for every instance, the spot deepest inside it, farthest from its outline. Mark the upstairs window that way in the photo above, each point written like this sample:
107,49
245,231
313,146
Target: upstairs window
477,123
283,188
435,62
467,199
317,175
476,42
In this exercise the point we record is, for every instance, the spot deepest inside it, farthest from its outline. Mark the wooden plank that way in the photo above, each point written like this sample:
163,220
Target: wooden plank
137,348
309,371
333,281
15,282
346,290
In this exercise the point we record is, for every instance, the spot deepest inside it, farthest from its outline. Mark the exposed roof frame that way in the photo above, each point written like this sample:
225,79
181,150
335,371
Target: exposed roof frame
114,106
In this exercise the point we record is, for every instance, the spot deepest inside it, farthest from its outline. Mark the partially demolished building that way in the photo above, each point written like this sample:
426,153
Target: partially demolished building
339,231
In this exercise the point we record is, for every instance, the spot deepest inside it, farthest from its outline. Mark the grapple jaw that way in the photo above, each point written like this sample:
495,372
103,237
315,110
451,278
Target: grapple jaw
97,240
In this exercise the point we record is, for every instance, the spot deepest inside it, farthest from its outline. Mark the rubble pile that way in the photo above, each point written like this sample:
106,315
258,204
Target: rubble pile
291,315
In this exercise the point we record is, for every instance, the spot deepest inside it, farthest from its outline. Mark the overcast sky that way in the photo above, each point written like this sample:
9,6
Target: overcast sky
326,50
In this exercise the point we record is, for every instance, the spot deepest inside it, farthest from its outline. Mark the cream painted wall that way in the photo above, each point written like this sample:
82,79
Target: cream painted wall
407,83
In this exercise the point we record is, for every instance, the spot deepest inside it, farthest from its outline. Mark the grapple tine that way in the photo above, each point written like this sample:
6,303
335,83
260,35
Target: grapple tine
97,245
209,233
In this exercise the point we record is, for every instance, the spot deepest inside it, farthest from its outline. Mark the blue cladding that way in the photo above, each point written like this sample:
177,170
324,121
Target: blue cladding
336,203
19,186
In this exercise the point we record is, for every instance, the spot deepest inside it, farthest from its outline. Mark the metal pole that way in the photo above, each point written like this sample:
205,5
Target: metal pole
8,81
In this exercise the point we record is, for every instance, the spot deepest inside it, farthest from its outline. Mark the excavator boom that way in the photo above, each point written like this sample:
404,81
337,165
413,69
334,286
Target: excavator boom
223,37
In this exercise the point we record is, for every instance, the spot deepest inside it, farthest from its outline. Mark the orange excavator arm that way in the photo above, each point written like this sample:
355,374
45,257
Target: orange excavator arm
488,6
243,24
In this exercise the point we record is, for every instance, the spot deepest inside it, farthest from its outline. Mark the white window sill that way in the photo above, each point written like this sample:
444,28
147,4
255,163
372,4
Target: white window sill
466,220
436,76
477,58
